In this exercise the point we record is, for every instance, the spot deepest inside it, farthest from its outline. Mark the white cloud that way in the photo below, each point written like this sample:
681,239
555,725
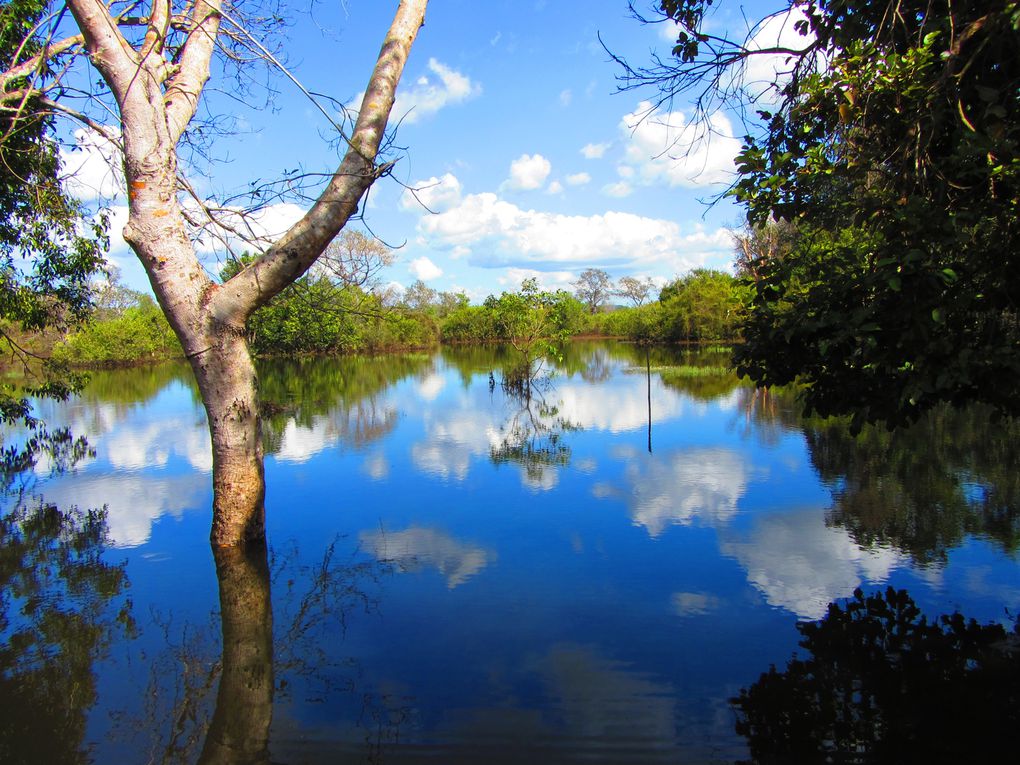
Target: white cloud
566,97
429,94
501,234
668,31
436,194
594,150
620,189
376,466
425,269
528,171
665,147
578,179
246,230
694,603
619,408
689,485
134,447
133,500
764,74
431,386
94,167
555,188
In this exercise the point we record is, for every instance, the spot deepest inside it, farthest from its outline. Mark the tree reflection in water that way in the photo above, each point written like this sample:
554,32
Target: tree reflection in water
61,608
532,436
883,684
267,655
922,489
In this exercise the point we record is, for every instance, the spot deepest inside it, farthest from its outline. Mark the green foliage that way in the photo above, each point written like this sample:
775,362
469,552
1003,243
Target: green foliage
899,161
534,322
469,324
926,488
642,323
58,615
705,305
318,314
882,683
137,333
49,245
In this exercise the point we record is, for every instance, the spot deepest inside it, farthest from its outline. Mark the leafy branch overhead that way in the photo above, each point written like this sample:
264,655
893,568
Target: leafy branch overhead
888,144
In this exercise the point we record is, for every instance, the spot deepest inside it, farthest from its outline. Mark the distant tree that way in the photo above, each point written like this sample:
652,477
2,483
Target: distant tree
419,296
758,245
593,287
353,258
446,303
534,322
634,289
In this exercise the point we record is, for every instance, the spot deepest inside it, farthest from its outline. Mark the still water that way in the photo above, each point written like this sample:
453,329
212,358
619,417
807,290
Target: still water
458,574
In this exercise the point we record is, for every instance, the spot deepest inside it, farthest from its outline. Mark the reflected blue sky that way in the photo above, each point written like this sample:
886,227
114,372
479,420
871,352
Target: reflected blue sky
542,577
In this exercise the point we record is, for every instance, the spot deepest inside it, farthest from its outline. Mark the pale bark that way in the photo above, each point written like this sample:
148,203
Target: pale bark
157,99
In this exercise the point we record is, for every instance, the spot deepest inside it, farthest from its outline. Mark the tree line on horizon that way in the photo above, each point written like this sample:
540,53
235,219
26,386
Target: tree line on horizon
327,313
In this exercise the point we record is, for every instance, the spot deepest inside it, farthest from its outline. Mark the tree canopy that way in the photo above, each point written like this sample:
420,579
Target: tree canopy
50,246
889,139
593,287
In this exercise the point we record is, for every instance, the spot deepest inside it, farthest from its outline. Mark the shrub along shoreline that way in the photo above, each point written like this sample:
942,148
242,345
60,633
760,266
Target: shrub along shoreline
319,317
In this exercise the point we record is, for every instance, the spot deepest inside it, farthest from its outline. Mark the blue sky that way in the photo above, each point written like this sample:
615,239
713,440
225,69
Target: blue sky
526,159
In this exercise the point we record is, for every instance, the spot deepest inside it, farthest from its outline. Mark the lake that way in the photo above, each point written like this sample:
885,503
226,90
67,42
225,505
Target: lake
458,573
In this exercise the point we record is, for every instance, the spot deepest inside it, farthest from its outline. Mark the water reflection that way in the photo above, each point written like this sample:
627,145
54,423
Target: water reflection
61,608
800,564
415,548
881,683
679,488
239,730
563,594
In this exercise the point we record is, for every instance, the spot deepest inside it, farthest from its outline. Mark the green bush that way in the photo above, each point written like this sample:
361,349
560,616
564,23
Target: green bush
138,333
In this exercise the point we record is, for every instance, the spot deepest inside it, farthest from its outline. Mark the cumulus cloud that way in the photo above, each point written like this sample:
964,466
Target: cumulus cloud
667,148
94,166
500,234
594,150
435,194
696,484
430,93
425,269
578,179
133,501
555,188
620,189
566,97
528,172
764,74
240,230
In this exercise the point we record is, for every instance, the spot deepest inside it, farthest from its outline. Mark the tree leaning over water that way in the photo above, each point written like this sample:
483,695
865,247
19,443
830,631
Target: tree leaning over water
888,135
156,67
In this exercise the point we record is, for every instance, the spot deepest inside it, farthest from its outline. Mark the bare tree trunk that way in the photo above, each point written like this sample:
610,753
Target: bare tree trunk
157,95
227,381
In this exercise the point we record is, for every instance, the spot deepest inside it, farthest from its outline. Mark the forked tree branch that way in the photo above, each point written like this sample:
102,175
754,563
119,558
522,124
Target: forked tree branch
297,250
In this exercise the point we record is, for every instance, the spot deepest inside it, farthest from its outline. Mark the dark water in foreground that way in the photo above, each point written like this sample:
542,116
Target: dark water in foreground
459,575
